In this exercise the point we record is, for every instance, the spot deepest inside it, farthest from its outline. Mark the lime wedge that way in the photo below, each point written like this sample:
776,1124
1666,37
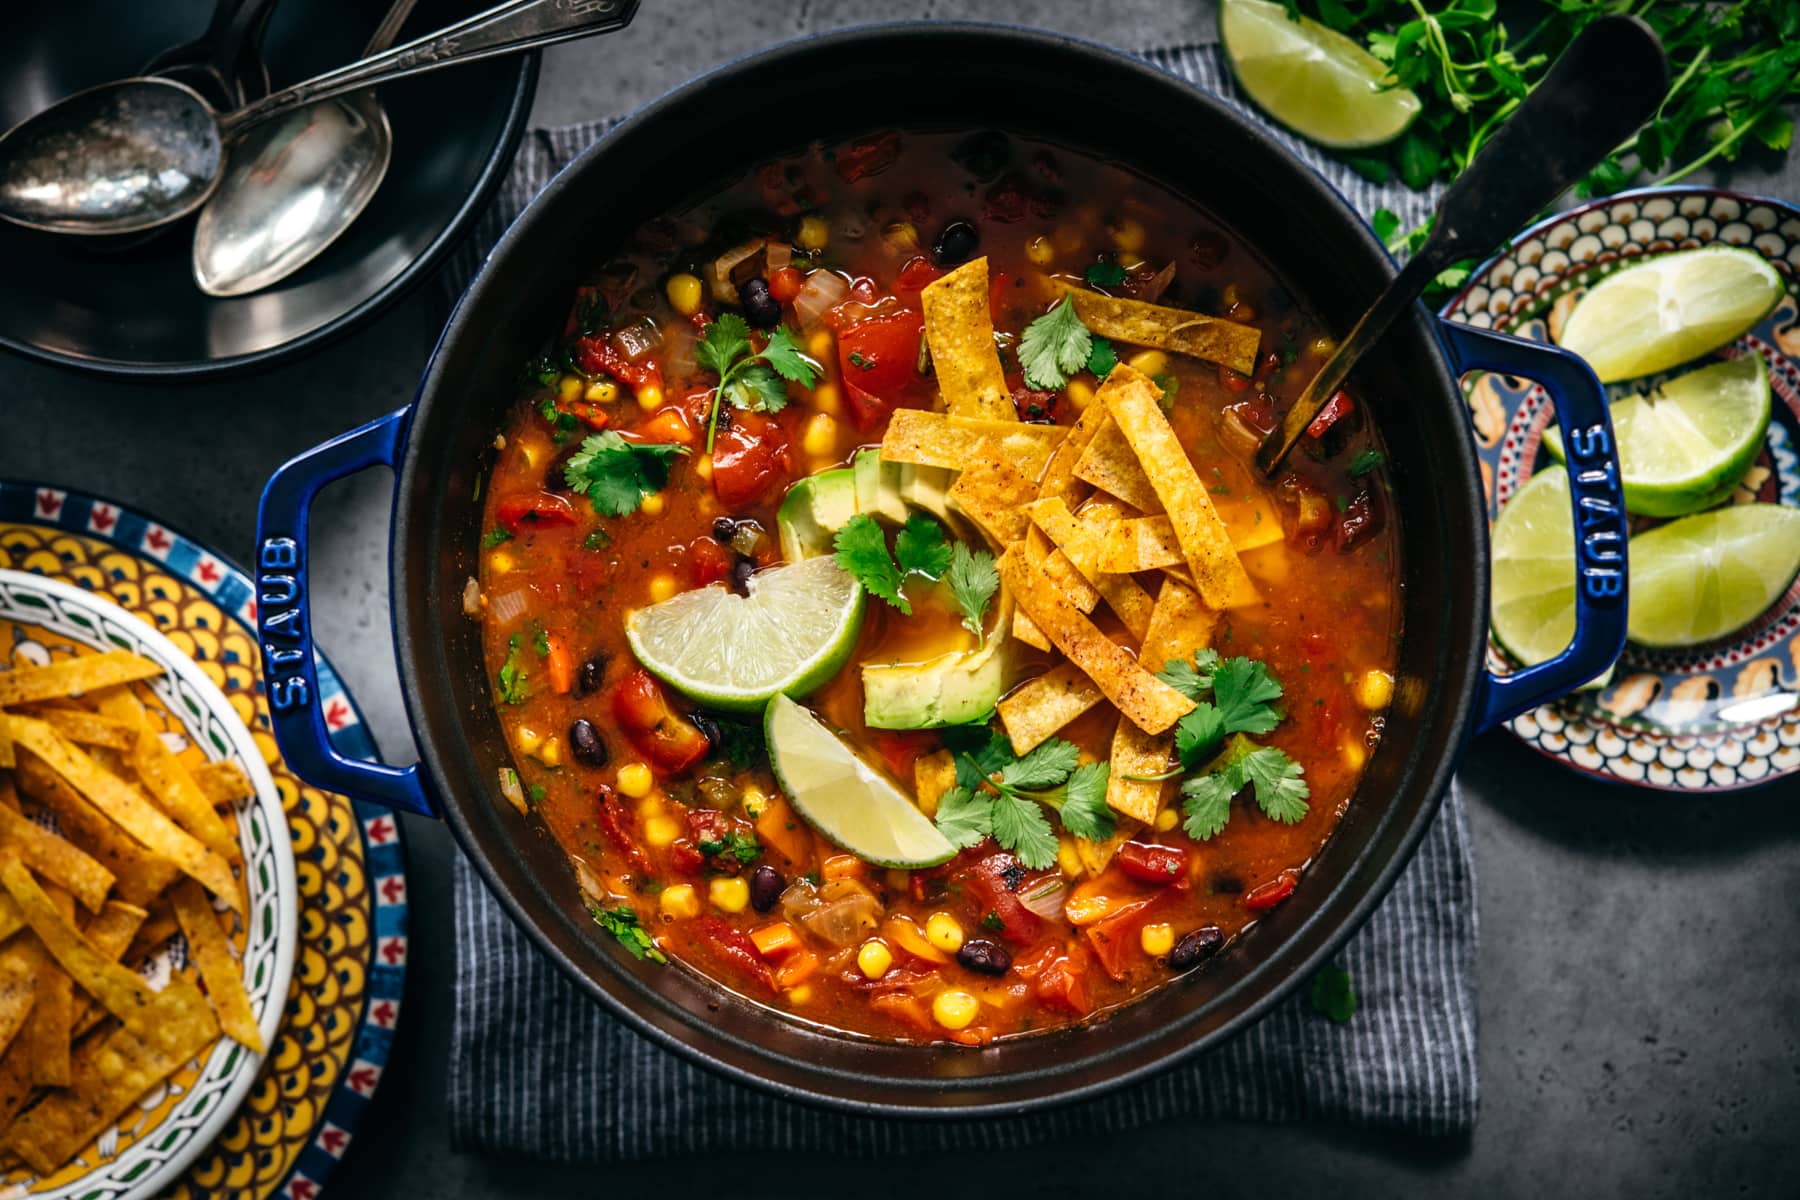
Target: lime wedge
844,798
1312,79
1702,577
1534,569
794,630
1685,444
1671,308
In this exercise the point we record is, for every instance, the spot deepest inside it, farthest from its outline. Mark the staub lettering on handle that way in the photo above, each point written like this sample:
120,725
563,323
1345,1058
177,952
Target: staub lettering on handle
280,589
1600,548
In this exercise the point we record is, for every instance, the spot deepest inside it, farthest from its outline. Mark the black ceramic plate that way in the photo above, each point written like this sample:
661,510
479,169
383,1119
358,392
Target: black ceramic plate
135,310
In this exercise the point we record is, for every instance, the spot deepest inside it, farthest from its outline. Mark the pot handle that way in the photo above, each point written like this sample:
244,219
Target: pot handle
284,617
1598,503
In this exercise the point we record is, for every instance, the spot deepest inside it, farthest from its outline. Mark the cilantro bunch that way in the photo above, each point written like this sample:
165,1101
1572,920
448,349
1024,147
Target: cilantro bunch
616,474
1003,796
920,548
1242,693
748,377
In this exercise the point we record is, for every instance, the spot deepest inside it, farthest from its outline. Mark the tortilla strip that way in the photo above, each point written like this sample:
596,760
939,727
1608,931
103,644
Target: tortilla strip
1109,465
1025,631
219,969
1132,400
932,439
121,704
959,328
56,859
1137,693
158,927
7,761
89,728
1139,324
139,875
989,490
1059,474
45,1037
1149,544
933,775
128,809
180,797
11,920
1180,625
1123,594
74,676
223,783
111,933
1039,707
19,964
1039,552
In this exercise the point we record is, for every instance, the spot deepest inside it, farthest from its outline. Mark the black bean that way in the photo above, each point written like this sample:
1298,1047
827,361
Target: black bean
766,886
979,954
592,672
762,309
1195,948
723,530
584,741
741,571
956,243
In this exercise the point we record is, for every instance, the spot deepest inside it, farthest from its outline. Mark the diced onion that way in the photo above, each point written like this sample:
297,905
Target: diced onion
1159,284
1045,896
638,340
508,607
778,255
472,600
513,790
589,882
746,538
823,290
844,921
679,362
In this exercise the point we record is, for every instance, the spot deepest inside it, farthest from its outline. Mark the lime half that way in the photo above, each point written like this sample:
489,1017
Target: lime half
793,631
1702,577
844,798
1669,309
1686,443
1312,79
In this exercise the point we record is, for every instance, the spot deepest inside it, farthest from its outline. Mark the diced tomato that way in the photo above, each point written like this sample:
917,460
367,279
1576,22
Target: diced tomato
1271,363
1361,520
669,426
905,1008
596,356
1265,896
1034,407
685,857
663,736
706,825
990,883
1257,413
878,360
1063,984
747,458
734,946
899,749
1336,409
1115,939
1153,864
583,299
1232,381
913,277
785,284
708,561
559,665
589,412
616,822
1000,296
1008,200
539,510
868,156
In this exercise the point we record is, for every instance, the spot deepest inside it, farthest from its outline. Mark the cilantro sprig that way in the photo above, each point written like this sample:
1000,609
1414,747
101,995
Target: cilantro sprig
973,579
1003,796
622,923
616,475
1054,347
920,548
748,377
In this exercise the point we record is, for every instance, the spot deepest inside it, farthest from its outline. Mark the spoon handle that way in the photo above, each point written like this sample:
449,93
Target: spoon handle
504,29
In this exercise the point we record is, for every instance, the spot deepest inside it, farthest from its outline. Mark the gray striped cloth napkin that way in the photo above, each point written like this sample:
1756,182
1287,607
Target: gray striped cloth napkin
537,1068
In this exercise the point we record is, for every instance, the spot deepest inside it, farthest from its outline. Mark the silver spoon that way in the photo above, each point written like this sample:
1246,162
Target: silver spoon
225,63
140,153
292,185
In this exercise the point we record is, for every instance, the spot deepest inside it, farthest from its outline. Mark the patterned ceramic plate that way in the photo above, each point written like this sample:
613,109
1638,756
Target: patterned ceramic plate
326,1059
1709,718
44,621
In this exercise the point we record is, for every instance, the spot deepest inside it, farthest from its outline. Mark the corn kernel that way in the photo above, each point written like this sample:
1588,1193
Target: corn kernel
800,995
649,397
1375,690
1150,362
661,588
942,931
953,1009
650,806
1067,238
754,800
708,505
601,391
660,831
902,236
1127,234
1068,859
1354,754
820,437
635,780
1321,347
814,233
825,400
680,901
1166,820
500,562
874,959
1080,394
1157,940
569,387
818,344
729,893
1041,251
684,295
550,753
652,505
703,466
528,739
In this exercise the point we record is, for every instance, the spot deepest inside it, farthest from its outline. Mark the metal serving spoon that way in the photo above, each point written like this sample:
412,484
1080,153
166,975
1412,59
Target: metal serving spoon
225,63
140,153
292,185
1607,84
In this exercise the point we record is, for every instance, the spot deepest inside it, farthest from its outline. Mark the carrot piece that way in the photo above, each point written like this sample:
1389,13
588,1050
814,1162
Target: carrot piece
560,665
774,941
777,826
797,969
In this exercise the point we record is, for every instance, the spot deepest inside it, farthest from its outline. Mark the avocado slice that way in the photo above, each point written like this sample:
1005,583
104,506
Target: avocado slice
815,508
958,688
927,488
878,486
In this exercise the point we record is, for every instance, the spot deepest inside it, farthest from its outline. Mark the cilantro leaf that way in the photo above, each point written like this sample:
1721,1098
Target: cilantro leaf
750,378
964,817
1021,826
784,354
1102,358
616,474
495,537
1386,224
1047,764
1084,812
1206,799
1365,462
1054,347
973,580
1280,792
862,551
622,923
736,844
1242,689
722,343
1198,734
512,677
1332,994
977,760
1106,274
756,386
540,641
1193,680
920,547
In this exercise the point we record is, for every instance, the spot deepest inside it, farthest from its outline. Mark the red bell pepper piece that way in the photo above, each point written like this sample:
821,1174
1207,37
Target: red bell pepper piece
1336,409
540,510
1156,865
1265,896
668,740
734,946
615,821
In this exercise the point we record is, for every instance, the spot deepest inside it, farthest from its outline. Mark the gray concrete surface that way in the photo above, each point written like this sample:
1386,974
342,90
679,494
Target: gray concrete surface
1640,1010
